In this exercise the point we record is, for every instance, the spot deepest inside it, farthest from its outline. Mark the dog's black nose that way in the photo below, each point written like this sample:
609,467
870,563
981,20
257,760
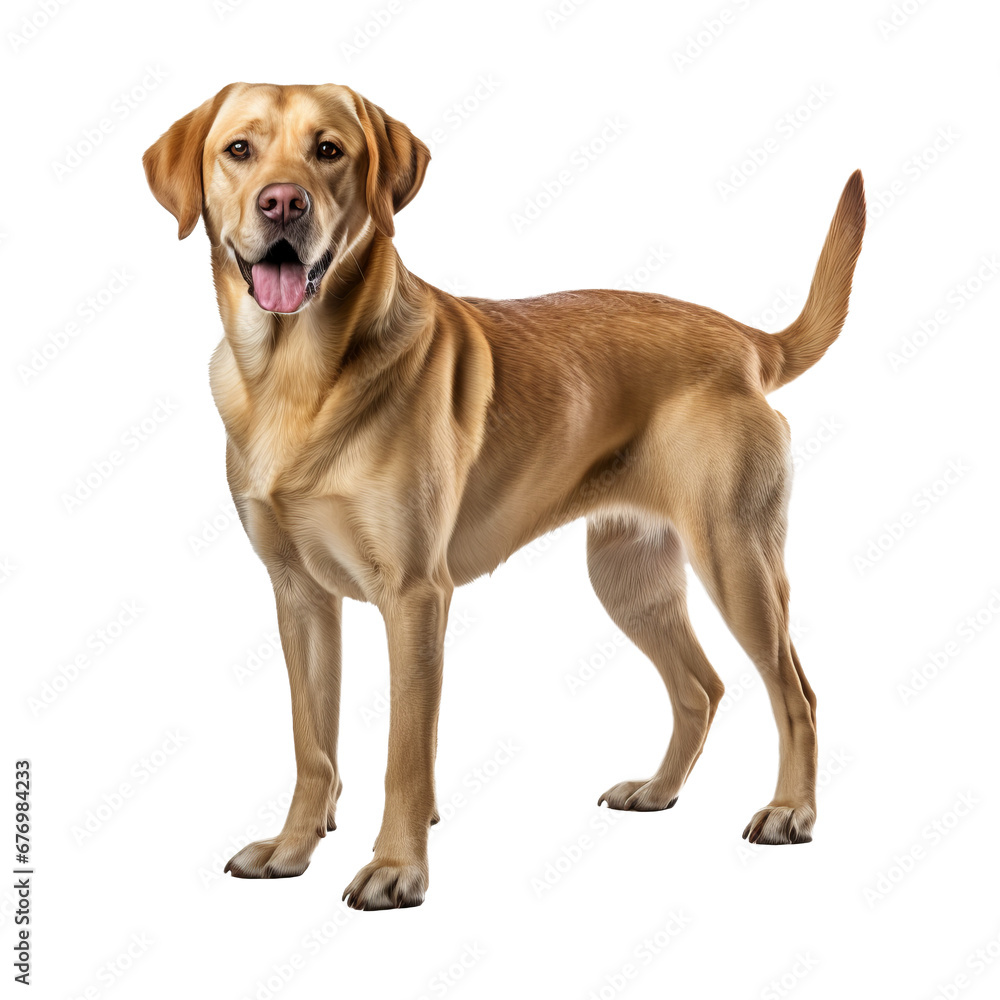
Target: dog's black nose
283,202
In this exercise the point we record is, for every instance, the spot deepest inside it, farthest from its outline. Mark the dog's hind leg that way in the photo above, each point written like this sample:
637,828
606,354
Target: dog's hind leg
735,539
637,570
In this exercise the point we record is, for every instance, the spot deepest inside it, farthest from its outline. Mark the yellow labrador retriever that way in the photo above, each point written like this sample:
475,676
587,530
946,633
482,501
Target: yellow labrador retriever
388,442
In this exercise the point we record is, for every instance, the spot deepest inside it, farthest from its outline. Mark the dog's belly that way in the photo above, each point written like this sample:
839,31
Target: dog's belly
476,550
503,510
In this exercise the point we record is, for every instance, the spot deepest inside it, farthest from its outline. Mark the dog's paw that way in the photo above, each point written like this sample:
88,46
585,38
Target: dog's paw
781,825
380,886
279,857
641,796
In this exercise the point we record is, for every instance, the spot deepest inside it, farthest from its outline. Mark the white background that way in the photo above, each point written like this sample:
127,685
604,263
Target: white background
881,903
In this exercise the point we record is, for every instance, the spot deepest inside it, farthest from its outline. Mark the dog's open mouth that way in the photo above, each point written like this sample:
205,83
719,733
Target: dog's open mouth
280,282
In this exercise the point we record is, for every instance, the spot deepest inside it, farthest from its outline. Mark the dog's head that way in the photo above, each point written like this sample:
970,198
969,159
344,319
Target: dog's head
288,178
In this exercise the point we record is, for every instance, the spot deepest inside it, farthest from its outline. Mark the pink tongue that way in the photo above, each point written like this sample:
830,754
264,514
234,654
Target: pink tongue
279,287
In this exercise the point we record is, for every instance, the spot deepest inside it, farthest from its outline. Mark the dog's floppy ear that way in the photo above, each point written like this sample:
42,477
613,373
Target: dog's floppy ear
173,164
397,161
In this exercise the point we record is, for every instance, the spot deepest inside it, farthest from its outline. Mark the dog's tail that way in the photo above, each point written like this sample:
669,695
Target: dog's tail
786,355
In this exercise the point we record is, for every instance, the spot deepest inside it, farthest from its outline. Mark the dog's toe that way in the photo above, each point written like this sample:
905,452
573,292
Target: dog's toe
641,796
380,886
275,858
781,825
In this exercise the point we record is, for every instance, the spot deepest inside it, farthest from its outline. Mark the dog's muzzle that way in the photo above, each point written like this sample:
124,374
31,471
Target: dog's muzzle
279,281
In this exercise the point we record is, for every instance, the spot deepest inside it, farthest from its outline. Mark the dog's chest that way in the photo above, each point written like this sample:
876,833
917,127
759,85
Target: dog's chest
273,421
319,515
267,458
315,476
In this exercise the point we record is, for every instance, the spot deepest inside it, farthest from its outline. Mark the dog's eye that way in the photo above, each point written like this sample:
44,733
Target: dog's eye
328,151
239,149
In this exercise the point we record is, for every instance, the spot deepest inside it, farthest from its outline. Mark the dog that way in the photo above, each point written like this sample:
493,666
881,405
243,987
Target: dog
388,442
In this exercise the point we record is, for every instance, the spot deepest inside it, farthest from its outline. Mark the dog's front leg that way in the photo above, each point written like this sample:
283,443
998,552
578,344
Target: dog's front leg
415,622
309,623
